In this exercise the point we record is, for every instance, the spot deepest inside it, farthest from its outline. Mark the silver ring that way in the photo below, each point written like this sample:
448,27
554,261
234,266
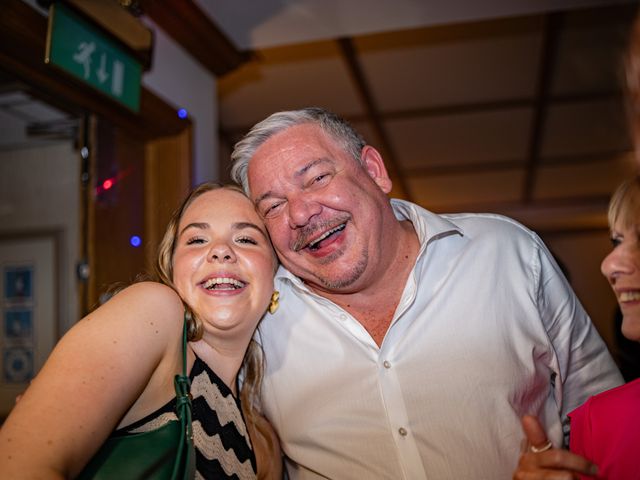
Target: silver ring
544,448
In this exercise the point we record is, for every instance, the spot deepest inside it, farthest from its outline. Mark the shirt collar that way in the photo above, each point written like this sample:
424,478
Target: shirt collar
428,225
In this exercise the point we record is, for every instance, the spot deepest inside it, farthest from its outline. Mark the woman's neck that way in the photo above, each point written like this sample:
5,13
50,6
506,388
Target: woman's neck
223,357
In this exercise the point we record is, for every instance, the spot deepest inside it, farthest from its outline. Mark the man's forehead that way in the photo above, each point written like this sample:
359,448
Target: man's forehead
293,176
290,139
292,150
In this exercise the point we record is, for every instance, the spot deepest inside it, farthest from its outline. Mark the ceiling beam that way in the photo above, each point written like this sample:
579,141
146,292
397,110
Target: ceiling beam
494,106
514,164
189,26
557,214
582,202
549,50
364,91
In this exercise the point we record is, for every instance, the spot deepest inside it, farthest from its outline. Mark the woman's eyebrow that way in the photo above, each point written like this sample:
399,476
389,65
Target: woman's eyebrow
199,225
243,225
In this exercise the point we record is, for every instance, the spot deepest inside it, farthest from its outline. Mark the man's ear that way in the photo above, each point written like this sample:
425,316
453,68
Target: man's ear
374,165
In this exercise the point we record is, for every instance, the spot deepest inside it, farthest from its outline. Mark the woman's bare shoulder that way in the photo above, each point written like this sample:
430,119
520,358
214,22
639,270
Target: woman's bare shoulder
151,295
143,300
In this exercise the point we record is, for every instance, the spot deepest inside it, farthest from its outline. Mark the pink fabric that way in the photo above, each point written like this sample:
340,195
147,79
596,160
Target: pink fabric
606,430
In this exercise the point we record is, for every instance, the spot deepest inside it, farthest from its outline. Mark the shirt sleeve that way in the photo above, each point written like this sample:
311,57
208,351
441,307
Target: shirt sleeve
582,363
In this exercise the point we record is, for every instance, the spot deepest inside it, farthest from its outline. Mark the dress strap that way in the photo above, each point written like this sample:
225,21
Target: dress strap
182,385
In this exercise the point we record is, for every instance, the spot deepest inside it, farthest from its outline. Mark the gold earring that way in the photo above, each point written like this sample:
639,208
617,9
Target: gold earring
274,304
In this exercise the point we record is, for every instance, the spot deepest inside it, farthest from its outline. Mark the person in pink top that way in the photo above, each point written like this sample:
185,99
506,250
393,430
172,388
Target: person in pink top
605,430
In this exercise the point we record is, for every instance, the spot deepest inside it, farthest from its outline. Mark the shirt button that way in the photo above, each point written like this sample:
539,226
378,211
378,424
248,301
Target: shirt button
343,317
402,431
386,364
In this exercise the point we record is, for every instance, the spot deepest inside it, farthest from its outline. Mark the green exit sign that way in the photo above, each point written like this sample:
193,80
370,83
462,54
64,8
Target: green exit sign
80,49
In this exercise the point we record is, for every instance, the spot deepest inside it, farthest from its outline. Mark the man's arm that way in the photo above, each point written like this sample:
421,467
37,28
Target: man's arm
584,362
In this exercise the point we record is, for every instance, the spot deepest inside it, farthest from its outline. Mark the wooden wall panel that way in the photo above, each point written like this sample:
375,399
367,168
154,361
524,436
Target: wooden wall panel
118,212
167,182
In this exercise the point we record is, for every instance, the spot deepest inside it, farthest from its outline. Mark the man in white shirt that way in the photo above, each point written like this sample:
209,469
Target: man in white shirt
407,345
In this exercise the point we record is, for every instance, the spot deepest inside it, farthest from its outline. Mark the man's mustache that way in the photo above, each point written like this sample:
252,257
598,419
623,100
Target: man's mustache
312,231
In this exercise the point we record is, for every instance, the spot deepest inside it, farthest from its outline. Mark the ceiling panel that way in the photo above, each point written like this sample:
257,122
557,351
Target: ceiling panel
286,78
588,57
593,179
466,191
434,67
585,128
464,139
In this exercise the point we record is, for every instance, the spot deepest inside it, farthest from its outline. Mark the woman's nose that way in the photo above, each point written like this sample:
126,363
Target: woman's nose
617,263
221,252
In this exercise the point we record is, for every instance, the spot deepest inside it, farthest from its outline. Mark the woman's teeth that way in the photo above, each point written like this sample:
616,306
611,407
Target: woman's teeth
223,283
629,296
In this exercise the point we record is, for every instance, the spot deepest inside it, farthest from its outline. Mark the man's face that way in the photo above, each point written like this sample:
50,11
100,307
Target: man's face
321,207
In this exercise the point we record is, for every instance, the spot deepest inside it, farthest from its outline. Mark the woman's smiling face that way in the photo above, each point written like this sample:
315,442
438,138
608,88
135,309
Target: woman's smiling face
223,263
622,269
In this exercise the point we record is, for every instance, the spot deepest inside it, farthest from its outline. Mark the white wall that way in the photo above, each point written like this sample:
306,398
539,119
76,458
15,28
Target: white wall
182,82
39,191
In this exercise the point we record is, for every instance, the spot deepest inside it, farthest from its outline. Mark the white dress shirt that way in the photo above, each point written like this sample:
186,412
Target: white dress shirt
487,330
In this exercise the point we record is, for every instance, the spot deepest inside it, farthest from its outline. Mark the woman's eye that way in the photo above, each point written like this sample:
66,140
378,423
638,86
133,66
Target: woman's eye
615,241
247,240
195,240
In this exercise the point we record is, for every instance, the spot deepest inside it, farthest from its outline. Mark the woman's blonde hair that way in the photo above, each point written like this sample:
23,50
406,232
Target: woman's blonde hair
253,363
624,207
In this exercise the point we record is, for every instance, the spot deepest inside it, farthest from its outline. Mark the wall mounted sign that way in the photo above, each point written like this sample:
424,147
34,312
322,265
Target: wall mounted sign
85,52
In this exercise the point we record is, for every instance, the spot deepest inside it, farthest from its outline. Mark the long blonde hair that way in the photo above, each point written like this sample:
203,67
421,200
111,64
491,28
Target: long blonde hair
253,363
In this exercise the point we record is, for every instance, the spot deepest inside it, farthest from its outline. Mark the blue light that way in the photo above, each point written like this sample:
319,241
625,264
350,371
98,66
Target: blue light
182,113
135,241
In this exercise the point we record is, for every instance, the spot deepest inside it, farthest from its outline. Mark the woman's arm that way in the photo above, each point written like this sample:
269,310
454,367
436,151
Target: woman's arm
100,371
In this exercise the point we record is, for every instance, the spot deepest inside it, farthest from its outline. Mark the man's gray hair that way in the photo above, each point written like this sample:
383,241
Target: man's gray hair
332,124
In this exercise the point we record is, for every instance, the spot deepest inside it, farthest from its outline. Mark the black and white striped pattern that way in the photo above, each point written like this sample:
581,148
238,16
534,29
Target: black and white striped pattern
223,447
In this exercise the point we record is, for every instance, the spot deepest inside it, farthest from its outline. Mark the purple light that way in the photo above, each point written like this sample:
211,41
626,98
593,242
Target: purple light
182,113
135,241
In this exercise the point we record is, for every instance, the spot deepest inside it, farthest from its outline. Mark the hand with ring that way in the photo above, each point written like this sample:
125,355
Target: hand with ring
541,460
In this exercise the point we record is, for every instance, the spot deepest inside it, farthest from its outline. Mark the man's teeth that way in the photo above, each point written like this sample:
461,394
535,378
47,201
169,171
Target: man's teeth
629,296
315,243
223,283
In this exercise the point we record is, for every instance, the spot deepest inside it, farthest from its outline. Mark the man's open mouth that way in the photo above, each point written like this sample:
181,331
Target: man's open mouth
317,243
